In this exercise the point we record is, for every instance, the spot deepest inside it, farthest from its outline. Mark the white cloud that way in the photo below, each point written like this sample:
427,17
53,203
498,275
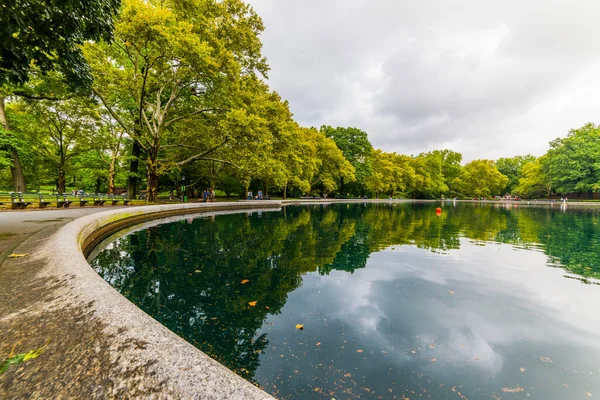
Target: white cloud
488,79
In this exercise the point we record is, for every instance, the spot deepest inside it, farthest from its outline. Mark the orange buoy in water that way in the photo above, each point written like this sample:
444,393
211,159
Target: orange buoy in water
438,211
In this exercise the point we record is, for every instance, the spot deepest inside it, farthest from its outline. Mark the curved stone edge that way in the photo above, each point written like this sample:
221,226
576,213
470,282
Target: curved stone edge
166,364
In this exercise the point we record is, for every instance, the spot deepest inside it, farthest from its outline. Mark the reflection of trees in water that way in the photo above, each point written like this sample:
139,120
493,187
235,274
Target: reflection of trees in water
187,276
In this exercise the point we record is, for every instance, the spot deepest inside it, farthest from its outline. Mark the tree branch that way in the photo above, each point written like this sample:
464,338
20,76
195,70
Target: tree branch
40,97
201,155
195,158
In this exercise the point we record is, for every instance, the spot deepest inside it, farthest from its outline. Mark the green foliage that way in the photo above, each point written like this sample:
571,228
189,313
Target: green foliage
47,34
16,359
183,81
480,178
355,146
535,181
512,168
450,165
574,161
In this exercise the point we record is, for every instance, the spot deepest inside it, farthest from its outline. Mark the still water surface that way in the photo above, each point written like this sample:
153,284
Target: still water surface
482,302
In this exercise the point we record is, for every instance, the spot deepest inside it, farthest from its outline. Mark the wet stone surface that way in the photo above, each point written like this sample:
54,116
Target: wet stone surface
394,301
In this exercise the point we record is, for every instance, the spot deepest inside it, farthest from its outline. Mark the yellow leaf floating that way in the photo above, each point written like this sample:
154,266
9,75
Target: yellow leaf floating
300,326
244,281
252,303
359,351
512,390
451,292
14,255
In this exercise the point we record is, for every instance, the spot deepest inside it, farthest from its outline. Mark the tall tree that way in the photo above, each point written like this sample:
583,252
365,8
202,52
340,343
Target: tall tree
49,35
450,165
535,180
512,168
60,130
356,147
173,61
480,178
574,161
334,167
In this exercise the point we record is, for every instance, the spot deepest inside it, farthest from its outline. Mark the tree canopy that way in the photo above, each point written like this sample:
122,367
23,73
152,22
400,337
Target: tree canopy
178,101
48,36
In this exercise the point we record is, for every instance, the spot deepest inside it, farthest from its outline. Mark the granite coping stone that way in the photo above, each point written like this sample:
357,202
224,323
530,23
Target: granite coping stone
100,345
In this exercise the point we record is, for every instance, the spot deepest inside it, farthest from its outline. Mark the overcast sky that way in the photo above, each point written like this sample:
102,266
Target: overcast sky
485,78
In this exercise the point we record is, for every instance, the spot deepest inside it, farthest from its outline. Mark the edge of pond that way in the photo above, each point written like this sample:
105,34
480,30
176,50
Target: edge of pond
101,344
96,343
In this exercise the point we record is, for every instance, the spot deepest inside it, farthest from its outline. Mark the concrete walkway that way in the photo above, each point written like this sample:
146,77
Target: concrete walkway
97,344
17,226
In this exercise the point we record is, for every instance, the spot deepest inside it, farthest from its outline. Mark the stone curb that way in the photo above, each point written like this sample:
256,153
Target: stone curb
174,367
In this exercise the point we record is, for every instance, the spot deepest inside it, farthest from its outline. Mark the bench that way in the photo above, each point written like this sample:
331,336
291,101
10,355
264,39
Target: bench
98,200
82,201
17,202
116,199
43,203
62,202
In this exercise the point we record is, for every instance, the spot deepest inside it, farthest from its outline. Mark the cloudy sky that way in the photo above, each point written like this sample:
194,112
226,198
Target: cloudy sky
485,78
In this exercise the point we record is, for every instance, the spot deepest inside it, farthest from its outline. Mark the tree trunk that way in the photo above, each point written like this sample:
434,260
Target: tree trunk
111,176
136,151
16,169
152,187
98,182
285,192
62,179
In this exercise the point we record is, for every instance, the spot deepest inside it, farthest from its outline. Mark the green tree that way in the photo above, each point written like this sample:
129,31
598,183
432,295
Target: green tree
480,178
167,67
357,149
58,131
535,181
512,168
49,35
334,167
574,161
450,165
427,180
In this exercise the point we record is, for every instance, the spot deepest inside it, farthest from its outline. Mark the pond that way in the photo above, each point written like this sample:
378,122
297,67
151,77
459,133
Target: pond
396,302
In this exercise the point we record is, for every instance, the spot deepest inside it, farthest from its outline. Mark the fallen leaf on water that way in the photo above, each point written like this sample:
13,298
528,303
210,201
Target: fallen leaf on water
267,307
450,291
433,360
513,390
318,343
588,394
14,255
197,271
522,369
546,359
359,351
252,303
300,326
244,281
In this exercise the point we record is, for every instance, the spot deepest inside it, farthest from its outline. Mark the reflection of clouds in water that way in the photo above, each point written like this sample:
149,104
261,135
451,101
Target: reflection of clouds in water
497,302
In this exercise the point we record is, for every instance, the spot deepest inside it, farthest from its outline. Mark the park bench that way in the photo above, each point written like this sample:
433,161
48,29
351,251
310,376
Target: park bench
98,200
62,201
42,203
17,202
81,198
115,199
